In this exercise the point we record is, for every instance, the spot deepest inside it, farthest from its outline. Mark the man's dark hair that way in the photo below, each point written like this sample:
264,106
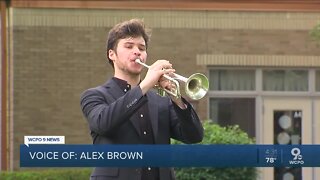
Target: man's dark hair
132,28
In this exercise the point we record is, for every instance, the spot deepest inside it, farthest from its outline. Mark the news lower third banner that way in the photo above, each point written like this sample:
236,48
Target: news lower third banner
63,155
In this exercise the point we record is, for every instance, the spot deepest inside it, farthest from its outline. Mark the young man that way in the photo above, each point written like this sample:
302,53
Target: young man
124,110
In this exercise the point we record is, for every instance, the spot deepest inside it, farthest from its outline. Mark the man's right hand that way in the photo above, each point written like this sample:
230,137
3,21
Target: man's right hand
155,71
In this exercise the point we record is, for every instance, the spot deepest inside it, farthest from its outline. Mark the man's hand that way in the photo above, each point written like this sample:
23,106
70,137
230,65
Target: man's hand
155,71
170,86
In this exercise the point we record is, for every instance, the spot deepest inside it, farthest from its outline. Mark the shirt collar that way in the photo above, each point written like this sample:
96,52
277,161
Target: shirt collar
124,86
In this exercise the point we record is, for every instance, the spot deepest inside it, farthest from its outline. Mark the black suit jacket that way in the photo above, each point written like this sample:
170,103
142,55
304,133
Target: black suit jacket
109,111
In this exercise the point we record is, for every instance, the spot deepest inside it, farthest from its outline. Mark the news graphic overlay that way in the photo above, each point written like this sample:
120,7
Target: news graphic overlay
271,156
43,140
297,157
135,156
63,155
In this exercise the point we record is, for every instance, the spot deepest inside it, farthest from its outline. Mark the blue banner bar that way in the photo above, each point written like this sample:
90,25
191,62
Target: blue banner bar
169,155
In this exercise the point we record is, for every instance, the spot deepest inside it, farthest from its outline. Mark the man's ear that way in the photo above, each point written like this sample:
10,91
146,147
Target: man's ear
112,54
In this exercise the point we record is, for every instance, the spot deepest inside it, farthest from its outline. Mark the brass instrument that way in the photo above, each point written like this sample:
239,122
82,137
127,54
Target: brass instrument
196,86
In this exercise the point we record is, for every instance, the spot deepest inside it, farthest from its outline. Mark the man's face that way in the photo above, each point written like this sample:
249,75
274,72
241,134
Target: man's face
127,51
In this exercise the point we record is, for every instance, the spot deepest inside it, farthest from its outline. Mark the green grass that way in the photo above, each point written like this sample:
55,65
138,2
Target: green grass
48,174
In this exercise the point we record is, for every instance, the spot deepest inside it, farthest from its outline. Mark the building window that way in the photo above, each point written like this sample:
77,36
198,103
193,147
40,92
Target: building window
232,80
232,111
318,80
285,80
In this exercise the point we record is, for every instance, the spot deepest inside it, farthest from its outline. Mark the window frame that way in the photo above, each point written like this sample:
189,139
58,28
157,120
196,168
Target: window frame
258,94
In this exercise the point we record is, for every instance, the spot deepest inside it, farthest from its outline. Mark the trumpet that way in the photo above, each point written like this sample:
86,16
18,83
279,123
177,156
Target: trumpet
196,86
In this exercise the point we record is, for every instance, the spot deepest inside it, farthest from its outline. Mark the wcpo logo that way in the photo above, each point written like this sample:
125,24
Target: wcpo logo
297,157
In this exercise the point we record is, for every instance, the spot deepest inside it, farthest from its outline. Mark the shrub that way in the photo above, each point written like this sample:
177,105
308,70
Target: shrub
315,33
45,174
215,134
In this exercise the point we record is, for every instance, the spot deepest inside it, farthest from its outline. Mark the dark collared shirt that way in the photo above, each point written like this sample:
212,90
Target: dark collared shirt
147,136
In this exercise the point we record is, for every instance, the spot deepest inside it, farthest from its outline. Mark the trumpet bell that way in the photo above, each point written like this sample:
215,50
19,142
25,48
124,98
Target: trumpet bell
197,86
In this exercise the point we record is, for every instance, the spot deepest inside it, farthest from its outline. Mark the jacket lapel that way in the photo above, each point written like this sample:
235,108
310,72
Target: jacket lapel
116,92
153,109
113,89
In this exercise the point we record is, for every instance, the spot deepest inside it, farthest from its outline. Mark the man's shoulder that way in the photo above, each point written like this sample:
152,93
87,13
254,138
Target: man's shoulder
98,89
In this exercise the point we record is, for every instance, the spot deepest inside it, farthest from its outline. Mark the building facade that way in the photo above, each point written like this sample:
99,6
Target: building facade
263,67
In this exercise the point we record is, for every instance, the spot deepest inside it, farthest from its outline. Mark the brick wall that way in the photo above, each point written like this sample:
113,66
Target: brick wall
52,66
